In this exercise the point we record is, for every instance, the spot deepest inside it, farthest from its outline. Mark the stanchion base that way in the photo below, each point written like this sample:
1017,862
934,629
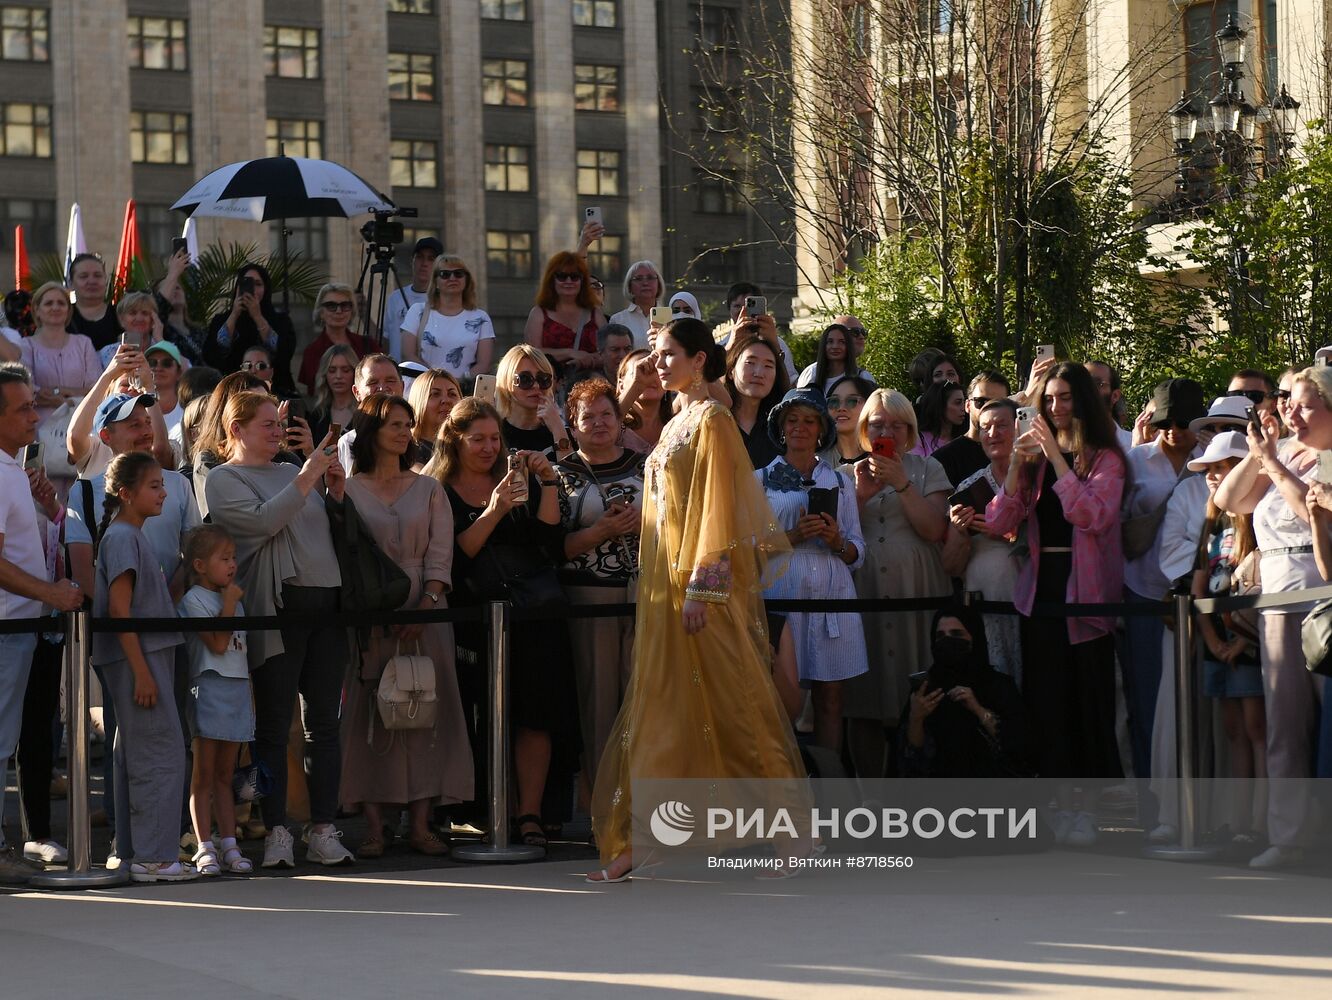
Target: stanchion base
1174,852
96,878
509,853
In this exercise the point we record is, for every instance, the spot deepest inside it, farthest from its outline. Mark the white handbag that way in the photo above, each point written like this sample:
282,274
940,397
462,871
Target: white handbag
406,693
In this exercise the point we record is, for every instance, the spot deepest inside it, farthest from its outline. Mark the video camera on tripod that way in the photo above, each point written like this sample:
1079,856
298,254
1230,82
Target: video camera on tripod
383,235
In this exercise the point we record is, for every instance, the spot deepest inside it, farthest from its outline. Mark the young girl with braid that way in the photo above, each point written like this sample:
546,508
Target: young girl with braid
138,669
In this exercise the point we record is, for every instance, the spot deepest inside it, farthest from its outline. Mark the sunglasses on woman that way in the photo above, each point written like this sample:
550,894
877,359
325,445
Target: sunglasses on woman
446,273
844,402
338,306
568,276
526,380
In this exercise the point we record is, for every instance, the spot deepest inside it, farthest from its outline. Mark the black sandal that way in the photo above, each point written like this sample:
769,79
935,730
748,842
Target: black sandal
532,838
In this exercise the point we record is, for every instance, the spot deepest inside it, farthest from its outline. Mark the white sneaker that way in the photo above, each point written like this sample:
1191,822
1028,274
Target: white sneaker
1278,857
277,849
1083,833
326,848
1164,833
46,852
1063,822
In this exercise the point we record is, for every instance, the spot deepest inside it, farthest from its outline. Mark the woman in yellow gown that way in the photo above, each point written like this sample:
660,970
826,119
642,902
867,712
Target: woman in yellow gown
701,702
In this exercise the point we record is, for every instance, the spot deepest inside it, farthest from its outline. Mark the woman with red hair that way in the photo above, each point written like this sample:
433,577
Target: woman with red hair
565,320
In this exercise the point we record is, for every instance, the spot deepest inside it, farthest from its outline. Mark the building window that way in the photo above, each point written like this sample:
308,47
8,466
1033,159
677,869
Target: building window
596,13
24,34
1202,61
716,195
411,6
715,27
158,226
604,257
292,52
36,216
413,163
411,76
507,168
296,137
159,137
508,254
596,88
504,82
504,10
718,266
307,237
25,130
599,171
157,43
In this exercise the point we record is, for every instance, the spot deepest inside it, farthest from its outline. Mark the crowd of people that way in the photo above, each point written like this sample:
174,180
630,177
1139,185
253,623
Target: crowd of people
153,468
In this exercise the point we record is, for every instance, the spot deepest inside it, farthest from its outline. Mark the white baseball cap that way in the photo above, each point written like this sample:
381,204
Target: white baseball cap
1226,445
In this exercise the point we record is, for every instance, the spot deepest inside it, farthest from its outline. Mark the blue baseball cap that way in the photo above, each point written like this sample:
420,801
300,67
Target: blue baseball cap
116,408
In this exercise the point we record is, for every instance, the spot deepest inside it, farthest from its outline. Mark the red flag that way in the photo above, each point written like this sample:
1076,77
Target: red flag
22,273
129,250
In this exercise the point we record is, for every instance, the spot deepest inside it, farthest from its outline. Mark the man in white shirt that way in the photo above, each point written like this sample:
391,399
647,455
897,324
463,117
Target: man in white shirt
401,299
375,373
24,586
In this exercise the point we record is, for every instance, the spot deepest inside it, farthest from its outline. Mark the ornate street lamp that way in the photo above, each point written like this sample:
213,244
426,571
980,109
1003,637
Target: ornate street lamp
1227,107
1286,114
1230,44
1184,120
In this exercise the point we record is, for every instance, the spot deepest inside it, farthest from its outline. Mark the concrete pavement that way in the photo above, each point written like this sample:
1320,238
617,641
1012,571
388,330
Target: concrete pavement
1052,925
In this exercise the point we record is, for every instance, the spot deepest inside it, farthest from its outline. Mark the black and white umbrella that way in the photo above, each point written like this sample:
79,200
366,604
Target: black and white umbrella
281,187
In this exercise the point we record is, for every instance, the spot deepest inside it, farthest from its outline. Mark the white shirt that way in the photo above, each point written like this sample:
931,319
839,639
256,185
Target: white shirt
448,342
200,602
395,309
10,334
1153,480
344,450
1181,531
23,542
638,322
1125,438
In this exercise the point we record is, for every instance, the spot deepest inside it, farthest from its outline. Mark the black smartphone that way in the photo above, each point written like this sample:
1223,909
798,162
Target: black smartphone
178,244
917,679
823,500
977,496
1255,419
247,285
295,408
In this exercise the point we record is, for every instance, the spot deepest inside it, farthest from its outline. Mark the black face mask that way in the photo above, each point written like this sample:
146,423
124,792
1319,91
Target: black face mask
951,652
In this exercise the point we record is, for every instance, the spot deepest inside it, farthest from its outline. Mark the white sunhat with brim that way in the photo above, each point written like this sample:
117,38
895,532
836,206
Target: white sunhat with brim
1232,410
1226,445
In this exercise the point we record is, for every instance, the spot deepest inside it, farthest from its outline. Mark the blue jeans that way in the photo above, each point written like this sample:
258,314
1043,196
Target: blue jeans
15,663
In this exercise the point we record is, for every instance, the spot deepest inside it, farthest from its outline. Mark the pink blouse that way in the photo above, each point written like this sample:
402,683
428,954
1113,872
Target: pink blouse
1091,506
75,364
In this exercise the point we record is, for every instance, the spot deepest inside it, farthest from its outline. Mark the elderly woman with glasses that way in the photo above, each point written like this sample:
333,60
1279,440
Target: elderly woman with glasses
643,287
447,330
903,518
334,310
565,320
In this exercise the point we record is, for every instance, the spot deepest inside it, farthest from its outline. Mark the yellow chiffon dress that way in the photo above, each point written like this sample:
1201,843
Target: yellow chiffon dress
700,706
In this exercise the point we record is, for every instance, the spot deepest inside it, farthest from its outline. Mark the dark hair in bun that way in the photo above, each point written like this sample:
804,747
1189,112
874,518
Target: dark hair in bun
696,338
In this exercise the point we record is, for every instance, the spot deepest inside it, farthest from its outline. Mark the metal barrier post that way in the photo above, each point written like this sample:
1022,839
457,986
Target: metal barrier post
499,848
1186,743
80,873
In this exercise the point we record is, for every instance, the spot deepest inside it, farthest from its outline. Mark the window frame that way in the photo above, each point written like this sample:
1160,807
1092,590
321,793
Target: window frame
411,75
179,137
508,167
135,42
504,7
272,143
596,170
39,129
40,234
605,263
599,88
509,272
30,30
506,82
274,48
408,7
412,162
593,6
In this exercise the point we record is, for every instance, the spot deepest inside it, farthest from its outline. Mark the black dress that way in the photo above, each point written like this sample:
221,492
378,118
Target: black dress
539,438
246,335
1069,689
104,331
542,692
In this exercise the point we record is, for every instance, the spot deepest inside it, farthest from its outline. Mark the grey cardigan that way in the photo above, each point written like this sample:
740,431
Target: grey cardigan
280,535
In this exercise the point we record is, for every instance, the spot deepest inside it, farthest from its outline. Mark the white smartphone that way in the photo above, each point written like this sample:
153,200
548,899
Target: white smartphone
755,305
485,389
592,214
1044,351
1324,467
1025,416
661,315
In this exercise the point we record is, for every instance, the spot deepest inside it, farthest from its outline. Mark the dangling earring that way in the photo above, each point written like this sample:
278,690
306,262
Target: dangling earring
696,382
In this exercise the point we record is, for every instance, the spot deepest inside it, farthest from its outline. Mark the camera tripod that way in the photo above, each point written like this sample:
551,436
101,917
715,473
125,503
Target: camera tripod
378,266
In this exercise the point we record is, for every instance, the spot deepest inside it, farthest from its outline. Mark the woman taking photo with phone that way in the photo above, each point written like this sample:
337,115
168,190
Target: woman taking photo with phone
903,516
252,320
1066,481
817,508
